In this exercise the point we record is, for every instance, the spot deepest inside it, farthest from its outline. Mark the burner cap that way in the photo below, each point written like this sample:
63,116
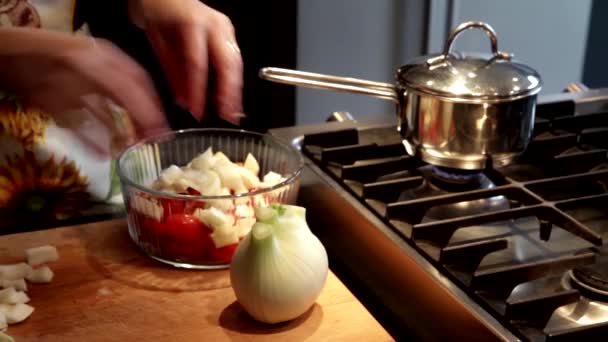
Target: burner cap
592,277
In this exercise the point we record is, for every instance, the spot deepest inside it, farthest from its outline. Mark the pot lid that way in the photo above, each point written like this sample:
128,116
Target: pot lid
470,77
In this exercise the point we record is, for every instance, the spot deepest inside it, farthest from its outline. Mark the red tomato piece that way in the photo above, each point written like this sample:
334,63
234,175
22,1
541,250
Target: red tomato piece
142,229
184,227
189,238
152,228
152,232
223,254
191,206
172,207
193,192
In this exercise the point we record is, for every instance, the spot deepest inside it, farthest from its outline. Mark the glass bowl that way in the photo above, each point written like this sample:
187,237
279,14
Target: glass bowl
193,230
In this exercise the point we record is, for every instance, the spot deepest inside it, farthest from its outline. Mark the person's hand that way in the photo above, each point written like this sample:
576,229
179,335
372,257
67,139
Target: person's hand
189,38
61,73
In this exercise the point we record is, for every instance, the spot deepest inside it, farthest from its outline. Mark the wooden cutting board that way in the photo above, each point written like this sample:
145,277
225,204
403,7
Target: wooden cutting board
105,290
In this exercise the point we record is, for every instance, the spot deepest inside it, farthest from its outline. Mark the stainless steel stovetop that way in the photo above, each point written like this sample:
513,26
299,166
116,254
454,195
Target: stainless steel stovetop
515,253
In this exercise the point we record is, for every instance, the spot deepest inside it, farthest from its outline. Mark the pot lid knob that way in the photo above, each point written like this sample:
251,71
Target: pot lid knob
470,77
435,61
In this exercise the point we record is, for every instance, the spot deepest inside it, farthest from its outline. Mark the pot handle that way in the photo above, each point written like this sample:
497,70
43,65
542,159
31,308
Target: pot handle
319,81
461,28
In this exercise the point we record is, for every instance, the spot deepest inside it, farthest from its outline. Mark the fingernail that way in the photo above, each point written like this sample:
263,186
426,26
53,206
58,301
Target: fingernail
233,46
234,118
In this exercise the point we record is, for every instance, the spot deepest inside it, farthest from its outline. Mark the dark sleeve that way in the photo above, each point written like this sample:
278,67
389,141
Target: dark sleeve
266,34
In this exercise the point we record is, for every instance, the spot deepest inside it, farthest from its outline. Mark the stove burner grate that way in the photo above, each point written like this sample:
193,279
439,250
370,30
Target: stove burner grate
457,218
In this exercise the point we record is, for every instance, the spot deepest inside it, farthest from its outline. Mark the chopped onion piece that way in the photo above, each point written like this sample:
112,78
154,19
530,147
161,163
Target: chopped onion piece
231,178
14,271
41,255
251,164
243,226
182,185
16,313
40,275
250,180
244,210
170,175
224,236
224,204
222,159
272,178
18,284
204,161
213,217
147,207
10,296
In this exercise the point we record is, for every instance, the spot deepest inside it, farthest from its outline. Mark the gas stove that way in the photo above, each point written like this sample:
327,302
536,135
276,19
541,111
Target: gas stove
512,253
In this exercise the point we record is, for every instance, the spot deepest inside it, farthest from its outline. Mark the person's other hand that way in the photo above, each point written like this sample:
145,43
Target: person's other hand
188,38
60,73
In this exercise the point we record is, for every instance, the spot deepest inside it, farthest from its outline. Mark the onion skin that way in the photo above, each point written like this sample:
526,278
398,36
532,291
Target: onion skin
279,270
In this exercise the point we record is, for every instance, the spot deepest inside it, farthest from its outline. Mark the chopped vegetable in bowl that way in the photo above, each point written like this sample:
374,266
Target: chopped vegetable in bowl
193,213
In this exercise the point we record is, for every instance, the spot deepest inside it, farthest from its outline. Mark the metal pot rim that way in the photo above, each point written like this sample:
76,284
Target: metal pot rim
473,99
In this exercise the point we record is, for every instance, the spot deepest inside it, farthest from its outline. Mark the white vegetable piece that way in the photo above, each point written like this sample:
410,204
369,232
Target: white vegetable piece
211,185
221,159
261,201
231,178
3,323
204,161
182,184
250,180
214,217
243,226
169,175
41,255
40,275
16,313
272,178
147,207
18,284
251,164
14,271
224,203
194,175
244,210
224,236
280,268
11,296
212,174
243,200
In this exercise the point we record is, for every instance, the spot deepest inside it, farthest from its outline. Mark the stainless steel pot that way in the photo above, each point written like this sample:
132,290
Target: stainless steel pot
454,110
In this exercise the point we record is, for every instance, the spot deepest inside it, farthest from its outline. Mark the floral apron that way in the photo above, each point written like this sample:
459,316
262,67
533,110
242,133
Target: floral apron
48,177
